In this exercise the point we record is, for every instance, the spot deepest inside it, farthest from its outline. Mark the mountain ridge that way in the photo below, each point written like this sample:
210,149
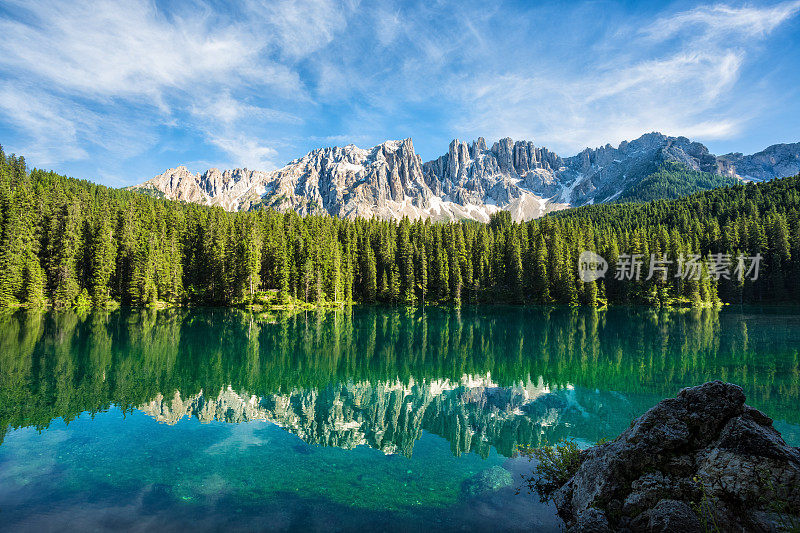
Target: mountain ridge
470,181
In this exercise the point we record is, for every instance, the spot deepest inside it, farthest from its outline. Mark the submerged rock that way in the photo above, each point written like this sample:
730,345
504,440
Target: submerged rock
703,460
489,480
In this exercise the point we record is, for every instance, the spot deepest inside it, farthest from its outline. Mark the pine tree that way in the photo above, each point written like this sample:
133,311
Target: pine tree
215,258
143,289
33,288
12,253
405,258
540,286
249,255
454,264
513,264
441,267
421,260
66,245
103,258
371,270
590,294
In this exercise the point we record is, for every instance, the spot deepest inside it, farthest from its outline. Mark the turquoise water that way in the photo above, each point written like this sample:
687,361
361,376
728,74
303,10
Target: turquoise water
365,418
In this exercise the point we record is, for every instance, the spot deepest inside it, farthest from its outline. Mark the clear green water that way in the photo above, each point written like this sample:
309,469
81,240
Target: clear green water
361,419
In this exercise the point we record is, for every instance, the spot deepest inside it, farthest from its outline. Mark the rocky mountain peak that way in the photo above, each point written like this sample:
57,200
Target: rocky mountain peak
470,180
775,160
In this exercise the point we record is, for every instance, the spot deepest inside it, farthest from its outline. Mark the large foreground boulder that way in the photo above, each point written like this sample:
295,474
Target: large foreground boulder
700,462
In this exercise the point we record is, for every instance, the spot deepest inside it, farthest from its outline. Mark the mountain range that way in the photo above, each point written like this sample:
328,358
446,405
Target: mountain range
473,180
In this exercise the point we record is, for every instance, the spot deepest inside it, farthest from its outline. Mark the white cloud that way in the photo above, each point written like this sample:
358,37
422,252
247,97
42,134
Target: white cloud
711,22
246,151
54,130
225,109
224,119
127,48
388,25
88,55
300,27
55,133
645,81
249,80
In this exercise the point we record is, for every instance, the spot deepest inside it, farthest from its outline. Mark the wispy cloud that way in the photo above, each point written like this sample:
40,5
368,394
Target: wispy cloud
225,120
55,131
721,20
300,27
223,108
100,53
249,152
675,75
128,49
128,86
61,130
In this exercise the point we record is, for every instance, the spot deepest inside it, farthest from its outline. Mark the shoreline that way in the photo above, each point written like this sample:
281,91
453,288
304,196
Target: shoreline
310,306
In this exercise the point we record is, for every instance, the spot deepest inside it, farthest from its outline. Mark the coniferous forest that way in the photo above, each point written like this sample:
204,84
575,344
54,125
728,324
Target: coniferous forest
72,243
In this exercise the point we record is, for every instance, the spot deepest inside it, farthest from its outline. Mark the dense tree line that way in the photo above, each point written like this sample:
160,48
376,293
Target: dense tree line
69,243
672,180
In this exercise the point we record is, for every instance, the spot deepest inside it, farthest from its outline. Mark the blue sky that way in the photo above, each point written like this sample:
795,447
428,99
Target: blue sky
118,91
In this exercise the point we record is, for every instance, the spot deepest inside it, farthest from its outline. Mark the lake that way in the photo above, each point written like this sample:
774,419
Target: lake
364,418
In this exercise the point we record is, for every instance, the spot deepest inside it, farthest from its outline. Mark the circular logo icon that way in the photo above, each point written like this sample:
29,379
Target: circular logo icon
591,266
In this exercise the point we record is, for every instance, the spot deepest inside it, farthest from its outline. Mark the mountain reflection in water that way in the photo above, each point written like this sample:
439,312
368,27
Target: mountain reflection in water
480,378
